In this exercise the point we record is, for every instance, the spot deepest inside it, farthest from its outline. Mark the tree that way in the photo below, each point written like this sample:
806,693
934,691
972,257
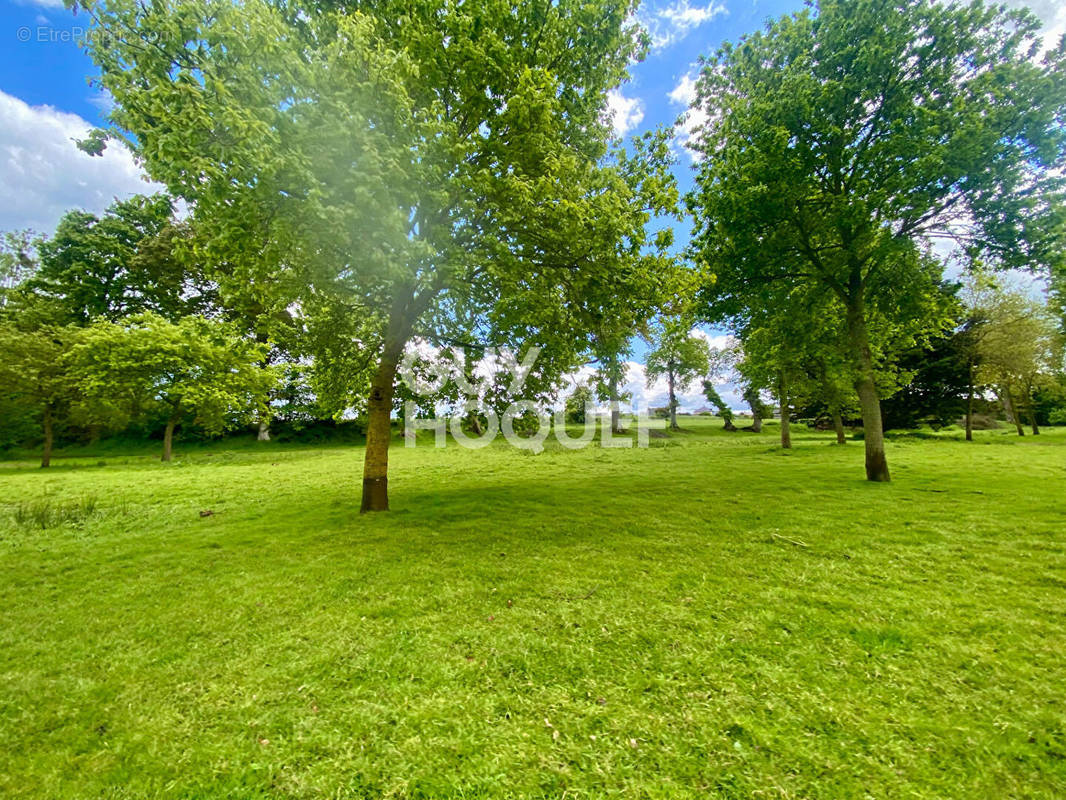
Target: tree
121,263
610,377
721,362
843,137
35,372
710,391
444,169
191,369
577,402
18,262
939,388
679,357
1019,352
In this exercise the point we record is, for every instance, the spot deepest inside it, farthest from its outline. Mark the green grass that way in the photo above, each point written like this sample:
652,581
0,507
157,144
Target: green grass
710,617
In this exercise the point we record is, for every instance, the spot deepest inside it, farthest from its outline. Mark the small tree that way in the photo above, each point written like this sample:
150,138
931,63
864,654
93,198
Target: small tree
192,369
577,402
721,363
678,356
1017,352
720,405
18,262
35,372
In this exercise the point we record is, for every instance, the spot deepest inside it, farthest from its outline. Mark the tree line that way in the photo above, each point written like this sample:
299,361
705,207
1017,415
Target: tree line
363,177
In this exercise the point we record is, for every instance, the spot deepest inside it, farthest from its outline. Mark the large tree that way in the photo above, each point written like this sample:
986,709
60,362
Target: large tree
122,262
1019,351
442,169
842,136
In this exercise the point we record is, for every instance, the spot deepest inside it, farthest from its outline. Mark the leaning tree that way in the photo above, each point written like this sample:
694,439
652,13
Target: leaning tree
443,170
842,138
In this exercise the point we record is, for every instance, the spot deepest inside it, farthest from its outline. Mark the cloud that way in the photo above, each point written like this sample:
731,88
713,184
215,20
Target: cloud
1050,12
43,174
669,25
719,342
692,119
103,100
624,113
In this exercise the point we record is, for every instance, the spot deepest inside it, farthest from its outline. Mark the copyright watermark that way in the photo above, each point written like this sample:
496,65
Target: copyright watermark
50,34
547,424
524,423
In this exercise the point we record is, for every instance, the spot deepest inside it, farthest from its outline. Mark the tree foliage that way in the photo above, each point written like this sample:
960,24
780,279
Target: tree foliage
121,263
36,375
841,138
190,369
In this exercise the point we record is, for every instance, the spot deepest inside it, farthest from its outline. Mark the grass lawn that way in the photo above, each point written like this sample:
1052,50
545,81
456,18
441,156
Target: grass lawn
710,617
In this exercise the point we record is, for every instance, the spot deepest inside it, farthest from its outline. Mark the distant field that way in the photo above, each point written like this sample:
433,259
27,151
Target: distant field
710,617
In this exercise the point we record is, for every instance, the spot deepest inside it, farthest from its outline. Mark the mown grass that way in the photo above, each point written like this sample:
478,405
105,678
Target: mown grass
710,617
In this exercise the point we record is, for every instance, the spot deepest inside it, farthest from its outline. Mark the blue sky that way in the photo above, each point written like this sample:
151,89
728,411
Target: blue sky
47,100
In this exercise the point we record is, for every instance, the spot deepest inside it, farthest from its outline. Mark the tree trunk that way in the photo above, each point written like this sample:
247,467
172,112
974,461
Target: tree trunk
616,415
1031,405
475,424
969,404
49,436
872,430
782,395
379,433
263,435
168,434
673,402
838,425
752,397
833,401
1011,409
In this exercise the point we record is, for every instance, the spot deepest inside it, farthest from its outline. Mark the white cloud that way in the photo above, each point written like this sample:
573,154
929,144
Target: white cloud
719,342
43,3
1050,12
103,100
685,92
625,113
43,174
671,24
692,119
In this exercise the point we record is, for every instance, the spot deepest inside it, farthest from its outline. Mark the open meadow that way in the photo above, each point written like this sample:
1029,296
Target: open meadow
708,617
